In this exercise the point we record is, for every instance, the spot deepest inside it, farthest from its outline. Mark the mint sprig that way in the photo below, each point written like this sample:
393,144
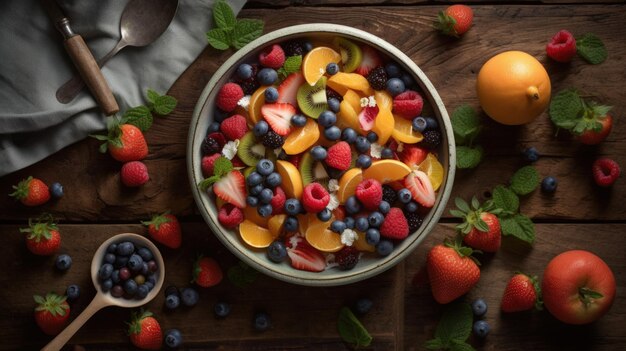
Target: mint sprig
466,126
591,49
453,329
525,180
141,116
221,167
242,275
161,104
566,108
230,31
351,330
292,64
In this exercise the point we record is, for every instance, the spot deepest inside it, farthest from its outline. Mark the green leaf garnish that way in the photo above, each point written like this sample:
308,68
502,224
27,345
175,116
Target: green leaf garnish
246,30
164,105
242,275
525,180
518,226
139,116
223,15
351,330
230,31
505,199
465,124
566,109
218,38
591,48
454,327
222,166
468,157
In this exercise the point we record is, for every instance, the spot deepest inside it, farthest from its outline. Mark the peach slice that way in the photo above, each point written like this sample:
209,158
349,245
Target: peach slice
348,183
353,99
255,235
348,117
361,243
354,81
275,224
387,171
403,131
251,214
292,182
256,102
315,62
322,238
301,138
383,99
383,125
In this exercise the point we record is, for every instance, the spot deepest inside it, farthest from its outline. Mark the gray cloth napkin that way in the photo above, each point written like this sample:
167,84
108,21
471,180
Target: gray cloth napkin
33,64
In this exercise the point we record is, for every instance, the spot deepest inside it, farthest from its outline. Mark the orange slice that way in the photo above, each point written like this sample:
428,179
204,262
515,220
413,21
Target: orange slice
387,171
347,116
301,138
403,131
251,214
322,238
433,169
255,235
275,224
383,99
256,102
348,183
383,125
361,244
315,62
354,81
292,182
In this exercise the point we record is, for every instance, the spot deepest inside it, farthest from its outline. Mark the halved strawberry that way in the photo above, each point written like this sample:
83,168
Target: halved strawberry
232,189
412,156
421,188
367,116
278,116
288,89
303,256
370,61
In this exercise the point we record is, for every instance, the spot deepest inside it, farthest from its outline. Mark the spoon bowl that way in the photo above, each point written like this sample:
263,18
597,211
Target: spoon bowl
104,299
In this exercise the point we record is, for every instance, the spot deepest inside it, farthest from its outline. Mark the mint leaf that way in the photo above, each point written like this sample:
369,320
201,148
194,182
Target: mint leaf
223,15
164,105
566,109
152,95
461,345
468,157
505,199
465,124
222,166
245,31
351,330
455,323
434,344
207,182
592,115
292,64
242,275
591,48
525,180
218,38
518,226
139,116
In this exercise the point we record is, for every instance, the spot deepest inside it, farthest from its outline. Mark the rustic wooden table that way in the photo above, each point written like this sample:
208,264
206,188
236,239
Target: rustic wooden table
404,316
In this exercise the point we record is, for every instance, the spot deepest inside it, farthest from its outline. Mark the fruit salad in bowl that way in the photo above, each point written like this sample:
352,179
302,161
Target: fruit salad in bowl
320,154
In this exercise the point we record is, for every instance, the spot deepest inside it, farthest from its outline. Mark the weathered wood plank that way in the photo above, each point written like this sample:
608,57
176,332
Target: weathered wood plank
342,3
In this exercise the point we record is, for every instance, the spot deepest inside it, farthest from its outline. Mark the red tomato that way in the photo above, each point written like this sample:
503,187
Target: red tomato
578,287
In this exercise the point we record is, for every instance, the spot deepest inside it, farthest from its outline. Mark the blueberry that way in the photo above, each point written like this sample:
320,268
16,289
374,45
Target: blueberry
219,115
419,124
125,248
431,123
384,247
266,196
363,161
481,328
349,221
135,262
404,195
318,153
213,127
72,292
112,248
392,70
277,252
267,76
260,128
395,86
479,307
384,207
145,254
273,180
332,68
152,278
109,258
189,296
107,285
349,135
271,95
372,137
173,338
298,120
172,290
531,154
291,224
407,79
375,219
265,167
352,205
411,206
261,321
386,153
105,271
56,190
362,144
264,210
338,226
332,133
361,224
142,291
327,119
115,276
324,215
307,46
372,236
254,178
244,71
293,206
252,201
144,268
130,287
333,104
221,309
120,261
256,190
549,184
172,302
362,306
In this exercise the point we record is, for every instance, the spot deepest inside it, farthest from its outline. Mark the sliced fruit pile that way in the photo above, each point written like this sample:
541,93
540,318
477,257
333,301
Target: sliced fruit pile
320,154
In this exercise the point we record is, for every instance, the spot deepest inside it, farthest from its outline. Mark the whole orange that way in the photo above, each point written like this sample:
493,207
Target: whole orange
513,88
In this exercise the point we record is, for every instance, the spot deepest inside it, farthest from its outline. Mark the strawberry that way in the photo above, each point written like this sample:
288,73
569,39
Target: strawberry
288,89
303,256
230,216
278,116
134,174
232,188
420,187
522,293
452,271
367,116
598,130
31,192
339,156
125,142
145,331
206,272
370,60
408,104
413,155
272,57
480,227
228,97
43,236
605,171
165,229
207,164
52,313
395,225
370,193
234,127
278,201
315,198
562,47
455,20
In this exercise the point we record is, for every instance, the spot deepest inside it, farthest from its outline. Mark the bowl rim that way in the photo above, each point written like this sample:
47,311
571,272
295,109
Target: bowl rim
297,276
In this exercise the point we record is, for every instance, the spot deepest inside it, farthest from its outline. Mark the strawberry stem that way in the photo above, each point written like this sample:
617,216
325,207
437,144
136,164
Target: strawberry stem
587,296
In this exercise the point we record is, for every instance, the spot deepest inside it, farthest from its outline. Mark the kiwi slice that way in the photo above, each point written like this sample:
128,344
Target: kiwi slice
312,99
250,151
313,171
351,55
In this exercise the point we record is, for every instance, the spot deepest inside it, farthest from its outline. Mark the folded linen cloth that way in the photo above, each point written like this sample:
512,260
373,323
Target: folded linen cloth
33,64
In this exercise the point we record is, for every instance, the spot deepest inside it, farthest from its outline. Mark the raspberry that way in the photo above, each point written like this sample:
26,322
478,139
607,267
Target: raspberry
273,57
234,127
395,225
389,194
272,140
229,96
432,138
414,220
278,201
134,173
347,258
370,193
408,104
207,164
339,156
315,198
378,78
562,47
293,48
230,216
605,171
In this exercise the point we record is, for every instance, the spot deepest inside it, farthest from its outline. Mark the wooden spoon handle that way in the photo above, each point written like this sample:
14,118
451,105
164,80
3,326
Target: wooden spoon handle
60,340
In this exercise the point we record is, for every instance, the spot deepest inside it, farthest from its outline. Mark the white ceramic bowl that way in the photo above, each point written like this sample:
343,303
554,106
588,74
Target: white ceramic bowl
369,265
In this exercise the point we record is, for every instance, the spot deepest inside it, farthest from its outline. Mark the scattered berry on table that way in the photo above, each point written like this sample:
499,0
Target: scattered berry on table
134,174
605,172
42,236
481,328
531,154
165,229
562,46
549,184
206,272
261,321
51,313
173,338
172,301
189,297
277,251
63,262
455,20
172,290
145,331
221,309
522,293
363,305
72,292
56,190
479,307
31,192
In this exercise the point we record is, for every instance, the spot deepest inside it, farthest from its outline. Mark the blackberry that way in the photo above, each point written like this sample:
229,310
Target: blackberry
249,87
414,220
378,78
432,138
293,48
272,140
389,194
333,94
210,146
347,258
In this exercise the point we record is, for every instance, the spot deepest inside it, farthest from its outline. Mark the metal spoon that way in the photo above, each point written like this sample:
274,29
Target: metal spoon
142,22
